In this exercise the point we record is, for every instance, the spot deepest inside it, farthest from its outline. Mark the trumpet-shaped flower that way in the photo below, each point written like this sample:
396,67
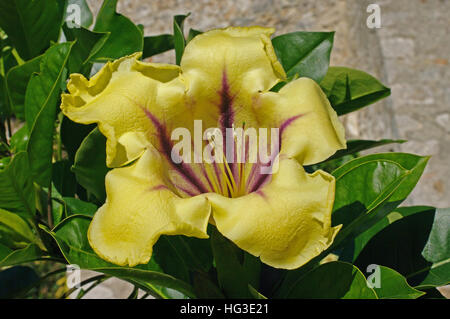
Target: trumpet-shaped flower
224,80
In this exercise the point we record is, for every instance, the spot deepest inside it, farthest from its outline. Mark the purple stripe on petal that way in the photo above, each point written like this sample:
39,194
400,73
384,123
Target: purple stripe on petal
166,144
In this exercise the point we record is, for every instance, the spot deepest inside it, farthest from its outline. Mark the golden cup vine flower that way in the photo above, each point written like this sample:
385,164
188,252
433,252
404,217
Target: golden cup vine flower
224,81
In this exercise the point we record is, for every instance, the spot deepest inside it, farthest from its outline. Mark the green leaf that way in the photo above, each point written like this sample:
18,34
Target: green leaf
71,236
125,37
394,286
370,187
192,34
349,90
17,80
157,44
236,269
75,206
417,246
333,280
19,140
352,250
41,103
16,227
355,146
90,164
72,134
31,25
255,293
180,255
63,178
79,7
178,36
16,281
87,44
306,54
19,256
16,187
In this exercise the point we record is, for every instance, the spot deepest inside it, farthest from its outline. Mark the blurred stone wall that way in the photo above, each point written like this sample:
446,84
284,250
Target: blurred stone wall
409,53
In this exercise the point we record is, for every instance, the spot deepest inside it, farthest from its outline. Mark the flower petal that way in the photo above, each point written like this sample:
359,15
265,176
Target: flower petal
139,208
309,127
114,98
287,222
225,69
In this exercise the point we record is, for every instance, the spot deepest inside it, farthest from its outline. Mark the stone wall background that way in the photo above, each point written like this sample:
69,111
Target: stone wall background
409,53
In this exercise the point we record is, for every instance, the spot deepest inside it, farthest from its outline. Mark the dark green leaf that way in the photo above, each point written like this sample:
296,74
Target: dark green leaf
90,164
16,187
63,178
87,45
125,37
178,36
179,255
354,146
16,83
255,293
41,104
16,281
370,187
334,280
157,44
192,34
235,268
31,25
72,134
19,256
349,90
75,206
71,236
417,246
351,250
306,54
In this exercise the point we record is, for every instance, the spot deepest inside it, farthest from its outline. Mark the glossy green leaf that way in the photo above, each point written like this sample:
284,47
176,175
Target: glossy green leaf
75,206
125,37
178,36
16,187
192,34
349,90
16,281
17,80
63,178
90,164
19,140
16,227
236,269
417,246
355,245
41,104
306,54
370,187
355,146
392,285
87,44
333,280
72,135
19,256
31,25
81,8
180,255
71,236
157,44
255,293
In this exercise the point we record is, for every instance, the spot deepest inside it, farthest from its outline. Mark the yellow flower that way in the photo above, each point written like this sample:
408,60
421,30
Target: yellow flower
224,81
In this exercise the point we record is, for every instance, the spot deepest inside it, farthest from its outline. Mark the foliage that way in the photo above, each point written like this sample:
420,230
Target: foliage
52,173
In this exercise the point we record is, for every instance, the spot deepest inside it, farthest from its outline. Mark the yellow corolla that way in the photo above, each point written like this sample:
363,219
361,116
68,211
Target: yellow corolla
283,216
